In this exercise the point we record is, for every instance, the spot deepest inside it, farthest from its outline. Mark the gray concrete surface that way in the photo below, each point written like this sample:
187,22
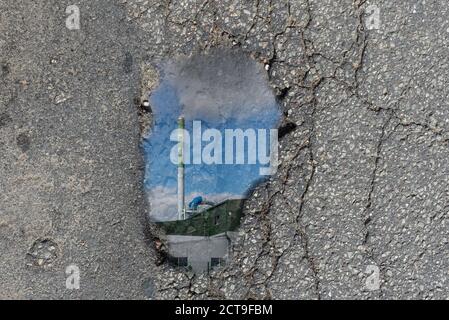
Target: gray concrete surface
363,175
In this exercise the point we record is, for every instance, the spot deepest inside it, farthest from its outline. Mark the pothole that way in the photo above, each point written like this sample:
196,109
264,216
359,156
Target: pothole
210,139
43,253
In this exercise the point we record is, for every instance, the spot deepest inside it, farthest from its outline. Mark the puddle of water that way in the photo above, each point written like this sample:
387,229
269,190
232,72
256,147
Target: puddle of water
220,109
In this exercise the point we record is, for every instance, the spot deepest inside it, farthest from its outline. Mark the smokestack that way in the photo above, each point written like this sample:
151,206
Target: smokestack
181,196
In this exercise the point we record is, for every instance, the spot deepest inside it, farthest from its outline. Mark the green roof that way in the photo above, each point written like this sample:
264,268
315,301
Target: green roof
220,218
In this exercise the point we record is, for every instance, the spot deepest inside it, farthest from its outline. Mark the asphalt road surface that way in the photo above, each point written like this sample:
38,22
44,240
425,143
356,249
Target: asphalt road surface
359,206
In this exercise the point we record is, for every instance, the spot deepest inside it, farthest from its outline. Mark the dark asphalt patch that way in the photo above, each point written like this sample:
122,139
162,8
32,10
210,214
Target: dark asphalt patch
5,119
24,142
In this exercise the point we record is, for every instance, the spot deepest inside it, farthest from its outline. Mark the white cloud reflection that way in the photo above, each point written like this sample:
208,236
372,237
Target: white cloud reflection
218,87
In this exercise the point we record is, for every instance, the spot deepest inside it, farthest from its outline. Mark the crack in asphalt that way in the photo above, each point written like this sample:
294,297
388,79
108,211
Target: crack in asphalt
310,84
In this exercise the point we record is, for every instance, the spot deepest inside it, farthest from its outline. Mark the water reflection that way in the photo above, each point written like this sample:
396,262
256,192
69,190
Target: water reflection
212,97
